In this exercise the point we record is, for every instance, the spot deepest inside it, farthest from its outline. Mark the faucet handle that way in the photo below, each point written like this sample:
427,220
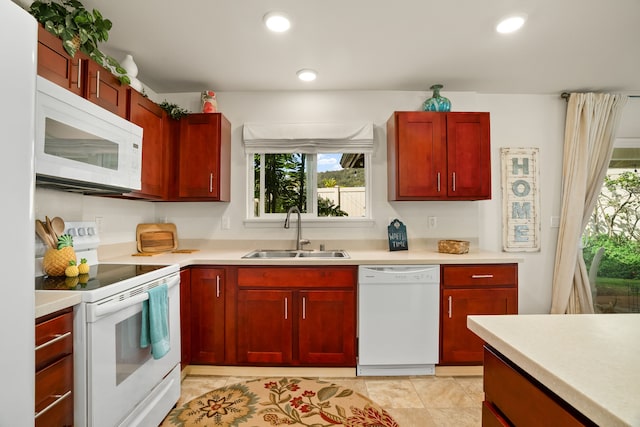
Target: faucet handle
304,242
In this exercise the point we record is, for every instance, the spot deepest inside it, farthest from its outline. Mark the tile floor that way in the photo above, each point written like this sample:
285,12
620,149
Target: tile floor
420,401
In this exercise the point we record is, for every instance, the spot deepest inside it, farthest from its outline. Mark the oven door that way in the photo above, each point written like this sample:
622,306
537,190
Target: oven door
121,373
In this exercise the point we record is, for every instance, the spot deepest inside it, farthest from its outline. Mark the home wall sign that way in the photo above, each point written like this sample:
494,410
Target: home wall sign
520,200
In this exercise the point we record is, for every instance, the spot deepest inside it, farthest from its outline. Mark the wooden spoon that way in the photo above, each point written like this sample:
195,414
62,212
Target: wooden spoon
57,225
49,228
42,233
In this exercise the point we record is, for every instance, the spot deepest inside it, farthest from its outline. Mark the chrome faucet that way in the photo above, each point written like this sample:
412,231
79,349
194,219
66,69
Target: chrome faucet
299,241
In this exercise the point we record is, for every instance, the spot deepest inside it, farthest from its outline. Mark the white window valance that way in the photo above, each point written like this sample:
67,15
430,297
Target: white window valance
308,137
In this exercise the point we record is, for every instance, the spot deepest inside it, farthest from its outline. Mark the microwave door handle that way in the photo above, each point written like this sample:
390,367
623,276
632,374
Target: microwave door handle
112,307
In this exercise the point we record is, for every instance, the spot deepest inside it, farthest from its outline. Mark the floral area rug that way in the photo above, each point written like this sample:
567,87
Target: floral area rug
280,402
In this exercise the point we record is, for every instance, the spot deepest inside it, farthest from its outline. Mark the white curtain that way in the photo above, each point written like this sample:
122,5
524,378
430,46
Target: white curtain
591,125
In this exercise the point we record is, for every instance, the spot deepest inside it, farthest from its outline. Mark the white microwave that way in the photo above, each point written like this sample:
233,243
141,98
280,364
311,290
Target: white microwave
82,147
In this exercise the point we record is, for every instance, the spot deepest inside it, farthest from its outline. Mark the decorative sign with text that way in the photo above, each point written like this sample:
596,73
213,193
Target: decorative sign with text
397,233
520,200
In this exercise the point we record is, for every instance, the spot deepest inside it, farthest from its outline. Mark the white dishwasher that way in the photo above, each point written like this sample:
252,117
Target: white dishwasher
398,319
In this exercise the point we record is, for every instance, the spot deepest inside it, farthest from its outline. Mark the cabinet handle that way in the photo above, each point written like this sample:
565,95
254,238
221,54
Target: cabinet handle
217,286
286,308
450,305
482,276
79,72
304,308
454,181
60,398
98,84
438,182
58,337
211,182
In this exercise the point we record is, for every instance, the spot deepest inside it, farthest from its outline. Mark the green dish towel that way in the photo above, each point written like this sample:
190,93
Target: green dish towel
155,322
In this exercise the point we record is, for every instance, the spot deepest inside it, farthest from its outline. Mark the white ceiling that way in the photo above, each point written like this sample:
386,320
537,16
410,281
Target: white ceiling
222,45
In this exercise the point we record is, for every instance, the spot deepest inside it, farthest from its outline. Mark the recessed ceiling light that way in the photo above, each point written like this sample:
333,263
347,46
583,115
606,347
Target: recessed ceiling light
307,75
511,24
277,22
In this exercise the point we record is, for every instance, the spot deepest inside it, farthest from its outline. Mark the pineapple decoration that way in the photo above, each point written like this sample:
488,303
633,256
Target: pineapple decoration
56,261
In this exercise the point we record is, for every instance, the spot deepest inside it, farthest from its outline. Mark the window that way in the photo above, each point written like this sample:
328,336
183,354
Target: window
322,169
320,185
614,231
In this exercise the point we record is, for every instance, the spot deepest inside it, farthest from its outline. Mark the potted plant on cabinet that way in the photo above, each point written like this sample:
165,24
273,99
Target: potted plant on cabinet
79,29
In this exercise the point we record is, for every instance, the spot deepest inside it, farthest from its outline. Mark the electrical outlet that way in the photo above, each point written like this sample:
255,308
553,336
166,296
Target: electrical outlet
226,223
432,221
100,223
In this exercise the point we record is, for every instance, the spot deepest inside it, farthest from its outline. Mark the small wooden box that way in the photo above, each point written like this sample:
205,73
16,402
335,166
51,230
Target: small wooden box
453,246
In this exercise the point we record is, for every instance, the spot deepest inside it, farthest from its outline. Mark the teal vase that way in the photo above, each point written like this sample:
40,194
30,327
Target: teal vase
436,102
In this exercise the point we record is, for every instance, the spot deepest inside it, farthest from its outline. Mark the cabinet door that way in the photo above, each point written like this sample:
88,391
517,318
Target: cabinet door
468,156
207,315
416,149
459,344
55,64
204,157
327,331
152,119
105,90
185,317
265,326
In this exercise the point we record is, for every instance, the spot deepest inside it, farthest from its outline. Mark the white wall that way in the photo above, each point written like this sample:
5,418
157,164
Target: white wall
516,121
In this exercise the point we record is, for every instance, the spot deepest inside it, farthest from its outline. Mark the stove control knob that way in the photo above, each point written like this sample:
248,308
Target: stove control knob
72,232
91,231
82,231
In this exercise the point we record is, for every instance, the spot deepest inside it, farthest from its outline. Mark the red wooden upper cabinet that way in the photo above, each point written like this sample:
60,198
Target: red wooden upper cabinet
155,145
104,89
204,150
55,64
438,156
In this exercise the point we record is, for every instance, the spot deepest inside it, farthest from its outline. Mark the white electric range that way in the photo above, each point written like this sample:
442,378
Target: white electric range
116,381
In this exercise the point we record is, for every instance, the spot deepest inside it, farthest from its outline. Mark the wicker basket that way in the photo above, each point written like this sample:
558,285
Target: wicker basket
453,246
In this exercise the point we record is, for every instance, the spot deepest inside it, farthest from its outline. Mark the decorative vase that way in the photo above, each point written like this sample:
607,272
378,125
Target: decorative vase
209,102
128,64
437,102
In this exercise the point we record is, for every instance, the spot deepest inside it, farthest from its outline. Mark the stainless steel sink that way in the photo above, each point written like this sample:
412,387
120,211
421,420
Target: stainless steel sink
280,253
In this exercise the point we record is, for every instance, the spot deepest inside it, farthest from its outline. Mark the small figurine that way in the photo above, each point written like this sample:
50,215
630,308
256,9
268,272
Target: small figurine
209,103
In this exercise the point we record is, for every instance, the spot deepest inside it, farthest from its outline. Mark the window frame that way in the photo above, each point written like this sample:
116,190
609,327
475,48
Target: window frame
312,216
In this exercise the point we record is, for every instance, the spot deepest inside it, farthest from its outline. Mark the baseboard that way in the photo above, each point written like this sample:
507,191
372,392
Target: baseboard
265,371
459,371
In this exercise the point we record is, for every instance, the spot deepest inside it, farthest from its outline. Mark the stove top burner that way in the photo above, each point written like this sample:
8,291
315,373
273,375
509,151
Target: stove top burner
99,276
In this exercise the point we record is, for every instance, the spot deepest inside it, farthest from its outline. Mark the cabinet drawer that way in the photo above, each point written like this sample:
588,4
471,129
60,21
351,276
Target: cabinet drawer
60,414
52,383
53,339
300,277
523,401
480,275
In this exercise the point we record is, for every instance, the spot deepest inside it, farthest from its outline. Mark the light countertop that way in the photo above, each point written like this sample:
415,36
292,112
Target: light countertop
590,361
51,301
206,254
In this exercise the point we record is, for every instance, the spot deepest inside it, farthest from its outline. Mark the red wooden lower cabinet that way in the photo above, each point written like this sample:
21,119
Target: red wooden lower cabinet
468,290
207,315
54,369
296,316
514,398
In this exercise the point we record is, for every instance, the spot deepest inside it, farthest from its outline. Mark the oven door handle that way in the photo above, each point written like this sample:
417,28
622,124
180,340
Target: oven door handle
113,306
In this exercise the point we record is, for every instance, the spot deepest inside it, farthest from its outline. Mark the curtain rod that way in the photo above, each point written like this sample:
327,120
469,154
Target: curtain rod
566,95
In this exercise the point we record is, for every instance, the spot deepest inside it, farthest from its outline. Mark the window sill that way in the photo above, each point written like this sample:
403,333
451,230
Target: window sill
311,222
